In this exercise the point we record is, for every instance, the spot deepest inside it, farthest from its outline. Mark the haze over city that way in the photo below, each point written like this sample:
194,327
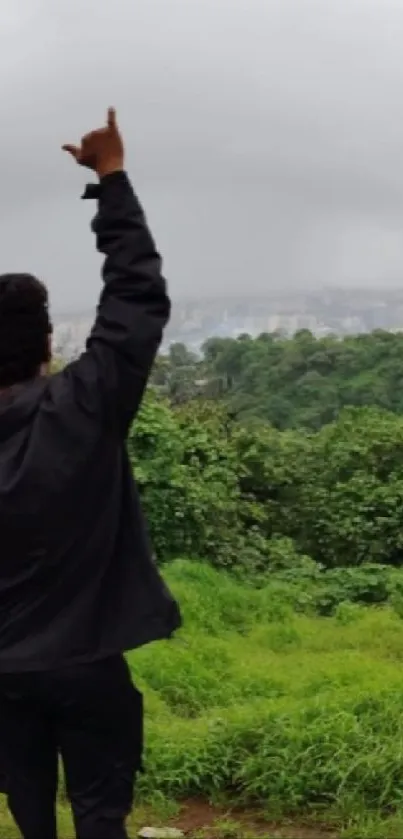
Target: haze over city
265,138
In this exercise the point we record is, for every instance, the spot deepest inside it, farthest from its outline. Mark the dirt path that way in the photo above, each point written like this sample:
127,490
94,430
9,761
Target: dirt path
198,818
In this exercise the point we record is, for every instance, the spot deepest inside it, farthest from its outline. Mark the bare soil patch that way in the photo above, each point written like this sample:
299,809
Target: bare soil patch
200,818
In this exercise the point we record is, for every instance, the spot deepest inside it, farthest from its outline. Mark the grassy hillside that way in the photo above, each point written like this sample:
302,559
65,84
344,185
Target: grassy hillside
299,717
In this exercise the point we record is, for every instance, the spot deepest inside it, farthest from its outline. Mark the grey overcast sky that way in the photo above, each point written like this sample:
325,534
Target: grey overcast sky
265,138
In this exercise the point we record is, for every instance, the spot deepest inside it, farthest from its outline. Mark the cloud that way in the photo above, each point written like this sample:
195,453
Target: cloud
265,137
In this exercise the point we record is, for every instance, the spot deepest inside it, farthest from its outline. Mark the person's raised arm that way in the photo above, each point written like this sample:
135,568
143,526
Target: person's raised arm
110,377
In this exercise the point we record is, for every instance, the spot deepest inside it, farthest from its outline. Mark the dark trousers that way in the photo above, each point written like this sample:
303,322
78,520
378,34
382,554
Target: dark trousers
92,716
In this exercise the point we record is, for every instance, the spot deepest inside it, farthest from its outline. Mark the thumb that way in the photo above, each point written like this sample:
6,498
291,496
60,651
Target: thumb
73,150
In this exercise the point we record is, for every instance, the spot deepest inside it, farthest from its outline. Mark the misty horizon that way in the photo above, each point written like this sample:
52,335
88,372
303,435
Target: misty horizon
272,295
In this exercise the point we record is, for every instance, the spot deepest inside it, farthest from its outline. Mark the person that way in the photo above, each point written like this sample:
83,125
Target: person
78,584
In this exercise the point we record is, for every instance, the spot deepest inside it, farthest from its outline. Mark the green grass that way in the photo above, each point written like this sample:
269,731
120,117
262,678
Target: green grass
295,715
300,717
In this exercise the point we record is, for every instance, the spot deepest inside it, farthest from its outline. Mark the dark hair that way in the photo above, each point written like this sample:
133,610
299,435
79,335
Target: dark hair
24,328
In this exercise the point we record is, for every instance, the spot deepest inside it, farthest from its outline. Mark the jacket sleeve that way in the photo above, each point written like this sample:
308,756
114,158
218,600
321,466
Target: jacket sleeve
109,378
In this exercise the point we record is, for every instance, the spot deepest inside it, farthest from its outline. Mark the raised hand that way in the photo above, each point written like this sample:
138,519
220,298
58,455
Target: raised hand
101,150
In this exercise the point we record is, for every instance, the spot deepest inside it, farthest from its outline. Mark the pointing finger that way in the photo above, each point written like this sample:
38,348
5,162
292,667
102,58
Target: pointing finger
111,118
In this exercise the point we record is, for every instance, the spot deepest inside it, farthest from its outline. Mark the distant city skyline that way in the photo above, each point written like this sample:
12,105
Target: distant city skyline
323,311
226,298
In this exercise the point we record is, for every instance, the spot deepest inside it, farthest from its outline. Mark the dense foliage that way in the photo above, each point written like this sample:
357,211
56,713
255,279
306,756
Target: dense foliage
290,382
281,460
255,498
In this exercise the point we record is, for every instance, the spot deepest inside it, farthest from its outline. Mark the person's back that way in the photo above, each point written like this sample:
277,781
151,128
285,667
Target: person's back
78,585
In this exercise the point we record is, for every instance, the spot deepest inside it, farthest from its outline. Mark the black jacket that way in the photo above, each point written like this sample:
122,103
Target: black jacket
77,579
